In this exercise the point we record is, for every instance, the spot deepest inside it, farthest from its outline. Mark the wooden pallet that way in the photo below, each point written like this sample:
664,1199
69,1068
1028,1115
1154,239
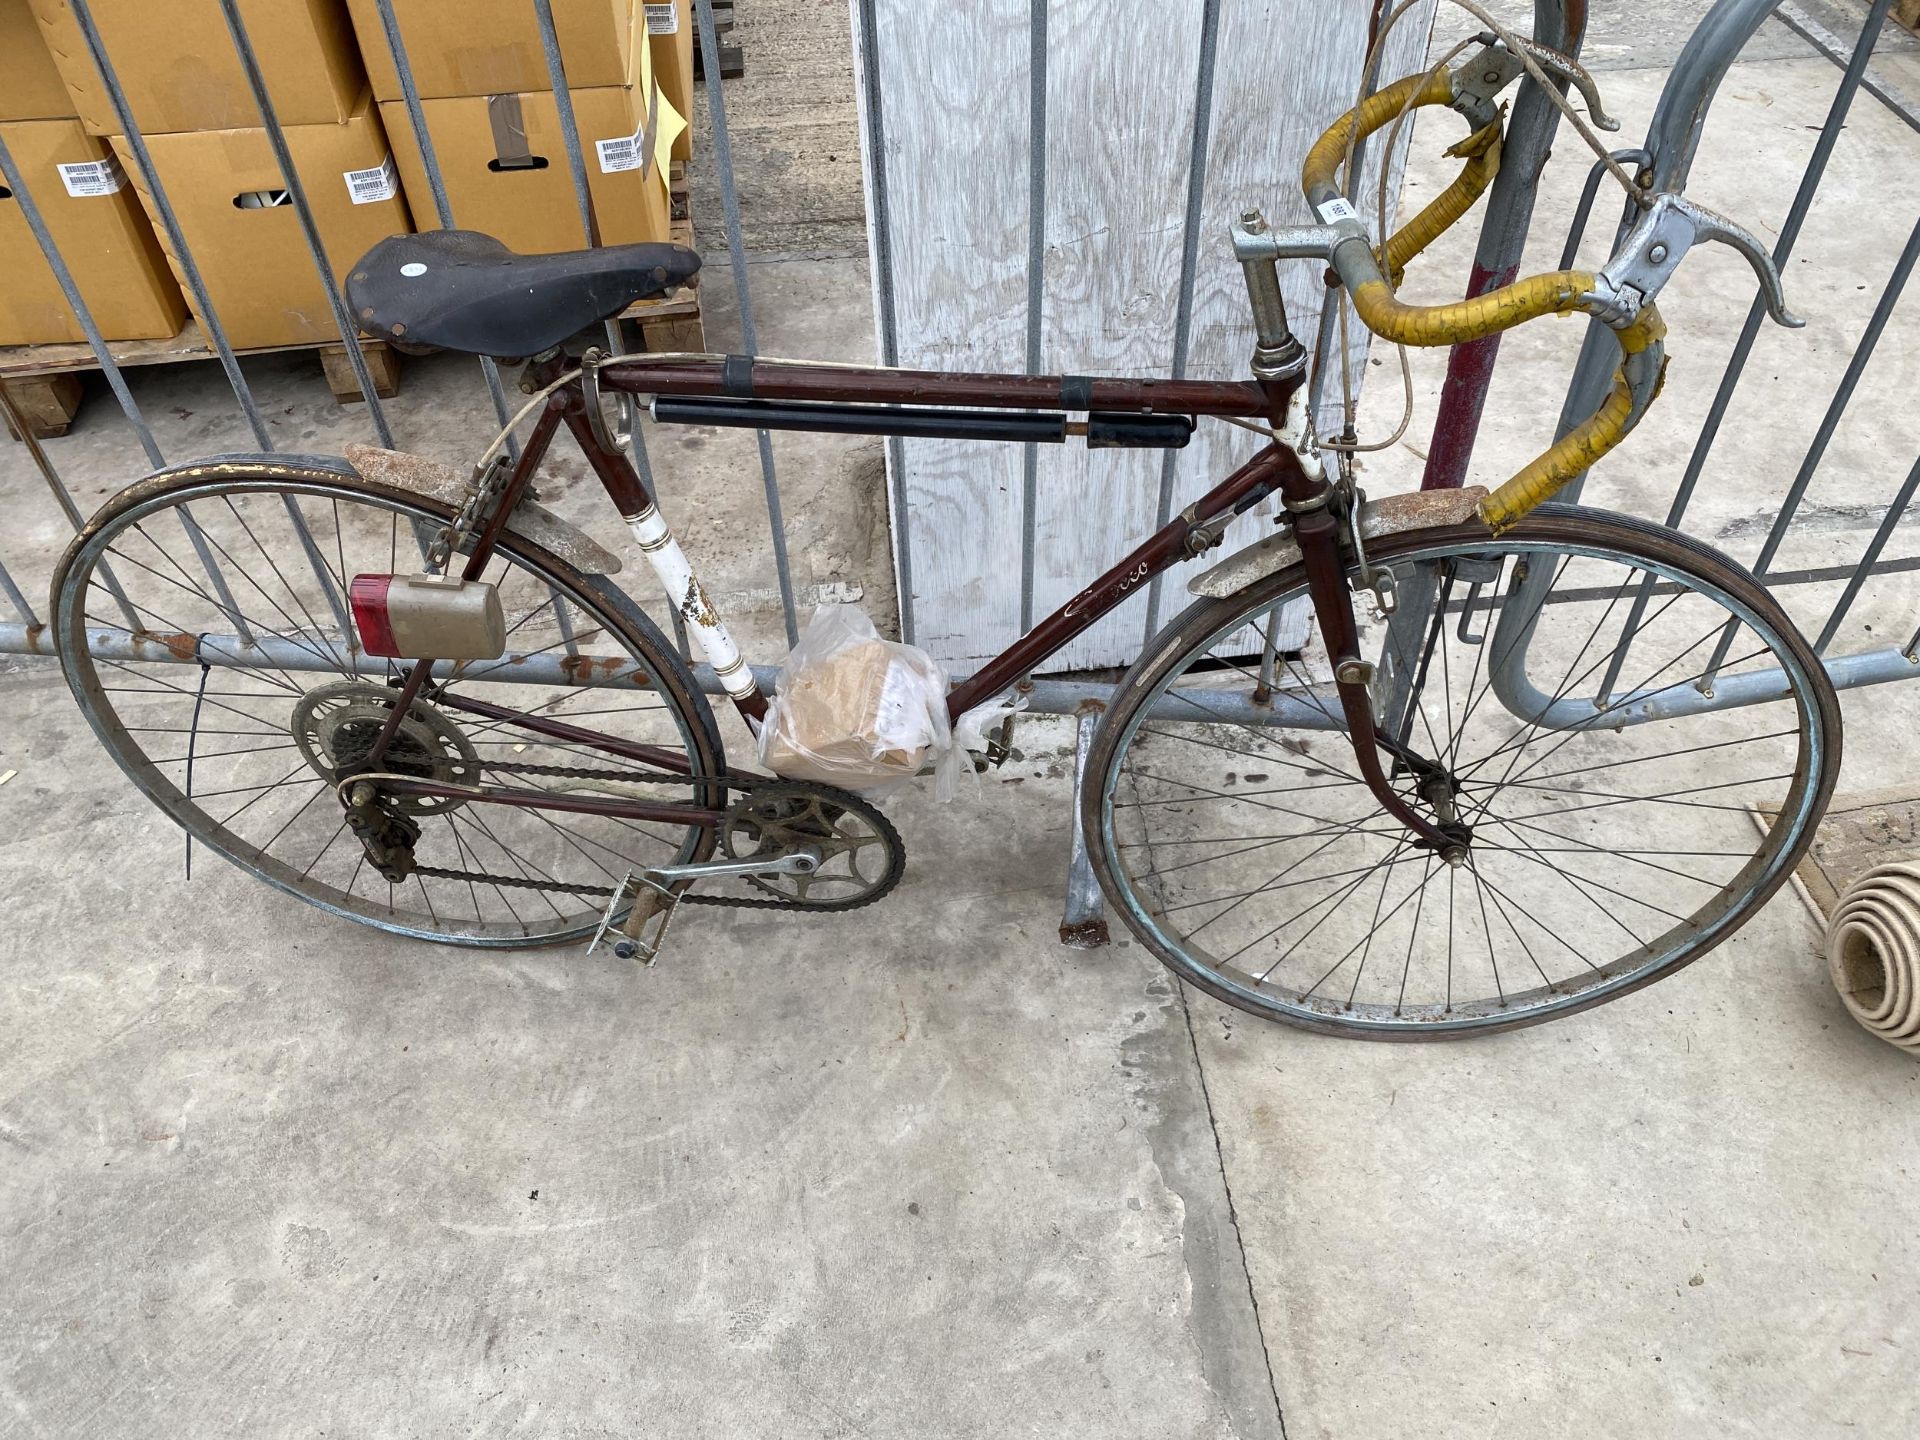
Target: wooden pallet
44,380
733,61
671,322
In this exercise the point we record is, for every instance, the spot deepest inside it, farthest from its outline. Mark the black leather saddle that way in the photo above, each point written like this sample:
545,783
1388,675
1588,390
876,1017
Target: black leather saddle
461,290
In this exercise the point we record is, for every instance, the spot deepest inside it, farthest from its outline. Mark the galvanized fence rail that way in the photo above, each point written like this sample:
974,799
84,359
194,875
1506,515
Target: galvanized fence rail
1668,151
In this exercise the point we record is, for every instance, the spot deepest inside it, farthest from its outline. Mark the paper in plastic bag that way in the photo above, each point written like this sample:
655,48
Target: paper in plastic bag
854,710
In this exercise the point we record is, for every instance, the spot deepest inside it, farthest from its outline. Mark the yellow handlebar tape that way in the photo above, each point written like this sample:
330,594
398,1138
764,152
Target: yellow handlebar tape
1330,150
1482,152
1555,293
1580,448
1635,383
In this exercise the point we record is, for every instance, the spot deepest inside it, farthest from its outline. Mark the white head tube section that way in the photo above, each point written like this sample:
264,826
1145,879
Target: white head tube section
689,597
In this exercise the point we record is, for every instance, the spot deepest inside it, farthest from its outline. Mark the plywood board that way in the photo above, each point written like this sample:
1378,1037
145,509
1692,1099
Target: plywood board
1123,83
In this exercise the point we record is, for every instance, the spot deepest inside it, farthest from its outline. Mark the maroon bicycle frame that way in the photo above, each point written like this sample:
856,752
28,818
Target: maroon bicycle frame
1272,469
739,378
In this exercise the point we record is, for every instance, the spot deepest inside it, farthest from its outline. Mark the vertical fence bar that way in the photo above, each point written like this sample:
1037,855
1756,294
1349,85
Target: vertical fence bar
436,184
1829,422
116,381
874,148
590,227
37,453
1594,369
297,192
1036,287
749,337
170,222
1083,920
570,125
1189,264
17,600
1783,249
1831,46
30,212
1895,510
1849,381
190,272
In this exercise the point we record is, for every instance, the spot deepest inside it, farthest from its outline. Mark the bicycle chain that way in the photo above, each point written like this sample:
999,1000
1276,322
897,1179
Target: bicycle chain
602,892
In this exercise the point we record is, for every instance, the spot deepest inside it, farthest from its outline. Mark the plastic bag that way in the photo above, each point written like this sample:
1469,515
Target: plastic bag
854,710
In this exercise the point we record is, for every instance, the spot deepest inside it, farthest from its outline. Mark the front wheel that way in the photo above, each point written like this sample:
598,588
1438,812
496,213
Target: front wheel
1631,732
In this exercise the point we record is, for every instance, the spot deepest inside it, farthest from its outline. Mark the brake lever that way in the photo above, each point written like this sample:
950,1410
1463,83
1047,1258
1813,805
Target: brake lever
1485,75
1565,67
1670,226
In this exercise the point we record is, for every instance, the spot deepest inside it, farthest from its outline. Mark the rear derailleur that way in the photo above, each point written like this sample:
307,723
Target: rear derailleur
388,836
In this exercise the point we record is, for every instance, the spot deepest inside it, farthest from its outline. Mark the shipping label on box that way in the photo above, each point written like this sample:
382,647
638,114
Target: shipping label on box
371,186
87,178
101,233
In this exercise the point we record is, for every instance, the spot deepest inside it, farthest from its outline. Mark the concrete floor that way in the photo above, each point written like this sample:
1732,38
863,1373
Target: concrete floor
918,1171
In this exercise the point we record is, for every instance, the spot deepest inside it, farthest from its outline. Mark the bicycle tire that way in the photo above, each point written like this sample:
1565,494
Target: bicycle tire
1184,641
208,484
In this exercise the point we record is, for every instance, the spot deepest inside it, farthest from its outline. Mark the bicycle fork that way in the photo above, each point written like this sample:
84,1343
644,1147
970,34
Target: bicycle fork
1280,362
1317,533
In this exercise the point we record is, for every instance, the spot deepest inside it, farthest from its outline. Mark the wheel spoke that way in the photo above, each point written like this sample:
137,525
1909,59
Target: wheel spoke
1246,880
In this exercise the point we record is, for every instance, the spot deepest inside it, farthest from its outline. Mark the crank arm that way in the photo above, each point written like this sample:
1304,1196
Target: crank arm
801,862
657,892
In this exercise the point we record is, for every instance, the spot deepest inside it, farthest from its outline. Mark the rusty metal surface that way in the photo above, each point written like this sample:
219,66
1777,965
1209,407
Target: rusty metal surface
529,519
1417,510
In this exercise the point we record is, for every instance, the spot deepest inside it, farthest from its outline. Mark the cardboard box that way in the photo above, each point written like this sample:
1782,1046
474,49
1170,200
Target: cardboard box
229,196
98,226
492,47
30,84
505,162
176,62
670,43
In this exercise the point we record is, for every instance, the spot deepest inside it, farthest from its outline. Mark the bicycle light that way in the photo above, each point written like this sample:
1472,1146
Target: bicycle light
428,615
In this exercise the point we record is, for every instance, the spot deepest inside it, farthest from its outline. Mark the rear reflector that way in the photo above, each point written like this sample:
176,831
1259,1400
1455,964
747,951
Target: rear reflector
428,616
369,595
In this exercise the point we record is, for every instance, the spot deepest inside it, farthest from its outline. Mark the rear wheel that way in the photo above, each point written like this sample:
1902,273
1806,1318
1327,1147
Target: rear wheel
1559,694
245,566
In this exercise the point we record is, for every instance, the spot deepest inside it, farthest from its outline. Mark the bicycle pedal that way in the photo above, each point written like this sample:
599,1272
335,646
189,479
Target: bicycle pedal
644,932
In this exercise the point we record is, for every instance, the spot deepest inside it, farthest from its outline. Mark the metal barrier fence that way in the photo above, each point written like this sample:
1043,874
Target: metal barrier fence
1667,155
1668,151
26,635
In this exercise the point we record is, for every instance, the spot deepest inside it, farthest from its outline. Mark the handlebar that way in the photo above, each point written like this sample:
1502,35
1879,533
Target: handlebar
1621,294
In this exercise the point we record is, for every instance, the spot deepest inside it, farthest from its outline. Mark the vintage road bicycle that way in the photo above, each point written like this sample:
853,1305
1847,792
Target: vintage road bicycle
1504,782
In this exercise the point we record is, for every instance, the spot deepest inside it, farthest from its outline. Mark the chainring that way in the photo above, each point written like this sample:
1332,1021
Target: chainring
862,855
336,726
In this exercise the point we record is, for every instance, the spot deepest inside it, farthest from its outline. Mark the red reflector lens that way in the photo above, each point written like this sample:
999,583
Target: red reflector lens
369,597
